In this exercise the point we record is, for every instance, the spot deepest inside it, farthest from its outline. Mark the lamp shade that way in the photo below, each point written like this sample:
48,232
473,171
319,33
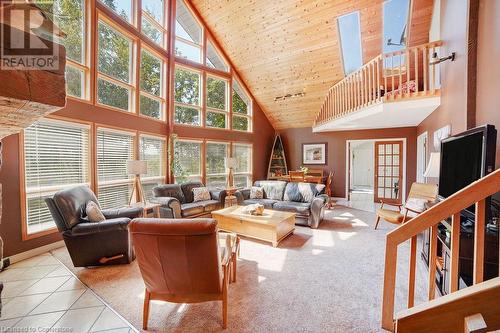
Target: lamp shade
135,167
230,162
432,170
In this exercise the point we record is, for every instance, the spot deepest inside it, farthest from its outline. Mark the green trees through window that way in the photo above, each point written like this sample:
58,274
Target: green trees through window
151,85
187,97
114,59
216,102
122,7
242,108
70,16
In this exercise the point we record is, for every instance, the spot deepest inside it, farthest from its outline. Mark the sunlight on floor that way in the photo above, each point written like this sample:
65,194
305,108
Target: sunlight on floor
345,235
276,262
358,222
322,238
317,251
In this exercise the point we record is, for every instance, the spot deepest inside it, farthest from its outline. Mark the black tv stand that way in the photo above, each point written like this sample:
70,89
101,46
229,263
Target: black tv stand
466,255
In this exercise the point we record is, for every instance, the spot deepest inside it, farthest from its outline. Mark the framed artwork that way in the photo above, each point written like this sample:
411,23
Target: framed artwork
314,153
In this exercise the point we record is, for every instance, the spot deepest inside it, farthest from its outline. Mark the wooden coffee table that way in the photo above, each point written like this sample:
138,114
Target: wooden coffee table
273,226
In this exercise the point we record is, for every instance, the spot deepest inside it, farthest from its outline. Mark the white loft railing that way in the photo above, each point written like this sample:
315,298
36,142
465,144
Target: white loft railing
393,76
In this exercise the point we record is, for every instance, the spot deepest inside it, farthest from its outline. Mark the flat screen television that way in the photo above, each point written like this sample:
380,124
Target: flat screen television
465,158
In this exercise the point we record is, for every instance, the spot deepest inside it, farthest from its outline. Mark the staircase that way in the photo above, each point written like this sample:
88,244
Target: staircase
475,306
390,78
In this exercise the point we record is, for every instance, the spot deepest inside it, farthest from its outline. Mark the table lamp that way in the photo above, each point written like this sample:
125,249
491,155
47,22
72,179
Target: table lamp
433,167
137,168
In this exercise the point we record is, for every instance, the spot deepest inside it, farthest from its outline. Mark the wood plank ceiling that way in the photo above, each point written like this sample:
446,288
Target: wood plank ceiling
284,47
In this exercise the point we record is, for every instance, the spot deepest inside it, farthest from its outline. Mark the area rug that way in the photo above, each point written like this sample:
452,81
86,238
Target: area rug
324,280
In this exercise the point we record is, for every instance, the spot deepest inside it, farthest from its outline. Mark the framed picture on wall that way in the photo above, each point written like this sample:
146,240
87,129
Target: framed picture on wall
314,153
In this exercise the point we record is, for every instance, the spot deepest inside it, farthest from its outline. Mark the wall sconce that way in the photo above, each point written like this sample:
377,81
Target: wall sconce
437,60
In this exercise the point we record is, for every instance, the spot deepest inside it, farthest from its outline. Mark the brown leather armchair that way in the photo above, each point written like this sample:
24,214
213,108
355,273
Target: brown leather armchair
90,243
181,262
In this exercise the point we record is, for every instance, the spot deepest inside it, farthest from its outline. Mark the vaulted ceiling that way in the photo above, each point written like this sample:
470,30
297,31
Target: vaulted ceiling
284,47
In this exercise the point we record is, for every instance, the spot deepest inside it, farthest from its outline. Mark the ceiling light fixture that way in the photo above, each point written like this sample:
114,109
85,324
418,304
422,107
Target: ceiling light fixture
287,96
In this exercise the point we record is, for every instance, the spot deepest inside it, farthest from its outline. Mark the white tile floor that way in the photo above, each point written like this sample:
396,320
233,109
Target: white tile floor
41,295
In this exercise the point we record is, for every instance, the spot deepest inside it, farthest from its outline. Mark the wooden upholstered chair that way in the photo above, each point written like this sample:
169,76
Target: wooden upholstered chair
184,261
329,193
415,203
296,176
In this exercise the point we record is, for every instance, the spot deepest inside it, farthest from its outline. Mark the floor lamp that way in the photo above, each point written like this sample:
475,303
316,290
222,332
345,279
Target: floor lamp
137,168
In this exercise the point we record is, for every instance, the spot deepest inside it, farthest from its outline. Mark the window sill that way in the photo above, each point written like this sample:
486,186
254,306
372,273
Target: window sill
28,237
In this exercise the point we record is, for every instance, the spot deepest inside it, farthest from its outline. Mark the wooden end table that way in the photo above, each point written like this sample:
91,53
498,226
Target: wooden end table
149,208
230,199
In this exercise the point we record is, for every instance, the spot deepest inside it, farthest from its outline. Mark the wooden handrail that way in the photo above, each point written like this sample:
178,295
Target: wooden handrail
456,311
385,78
475,193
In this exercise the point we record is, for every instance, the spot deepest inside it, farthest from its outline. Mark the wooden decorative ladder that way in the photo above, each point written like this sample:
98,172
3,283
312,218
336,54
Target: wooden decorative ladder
474,194
391,71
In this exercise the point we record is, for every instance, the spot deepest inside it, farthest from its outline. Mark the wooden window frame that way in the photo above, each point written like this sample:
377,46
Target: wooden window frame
219,53
207,109
201,142
131,86
200,107
162,27
25,236
249,115
134,14
163,80
200,46
164,170
228,154
249,174
134,152
87,55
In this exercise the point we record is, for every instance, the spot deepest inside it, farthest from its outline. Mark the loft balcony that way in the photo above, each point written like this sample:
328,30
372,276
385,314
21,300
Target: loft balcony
395,89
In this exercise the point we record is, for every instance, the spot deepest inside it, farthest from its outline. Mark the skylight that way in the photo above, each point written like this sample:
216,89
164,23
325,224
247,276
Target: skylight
350,41
395,21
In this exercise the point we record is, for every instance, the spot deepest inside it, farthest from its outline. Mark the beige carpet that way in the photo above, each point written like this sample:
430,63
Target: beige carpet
324,280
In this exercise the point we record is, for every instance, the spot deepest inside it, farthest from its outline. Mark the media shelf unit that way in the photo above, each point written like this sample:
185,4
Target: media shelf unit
466,253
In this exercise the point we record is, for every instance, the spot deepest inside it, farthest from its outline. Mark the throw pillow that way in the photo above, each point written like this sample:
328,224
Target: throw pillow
200,194
94,213
256,192
416,204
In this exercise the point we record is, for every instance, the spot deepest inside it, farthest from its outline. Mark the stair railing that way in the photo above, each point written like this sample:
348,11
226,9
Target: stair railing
474,194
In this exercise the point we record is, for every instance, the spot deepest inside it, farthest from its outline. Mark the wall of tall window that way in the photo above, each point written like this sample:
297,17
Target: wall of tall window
125,61
153,150
204,160
56,156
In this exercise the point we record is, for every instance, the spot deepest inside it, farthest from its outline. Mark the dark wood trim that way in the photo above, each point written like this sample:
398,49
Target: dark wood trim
471,72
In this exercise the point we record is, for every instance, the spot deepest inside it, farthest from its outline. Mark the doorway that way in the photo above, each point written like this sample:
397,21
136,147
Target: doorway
389,171
376,170
361,174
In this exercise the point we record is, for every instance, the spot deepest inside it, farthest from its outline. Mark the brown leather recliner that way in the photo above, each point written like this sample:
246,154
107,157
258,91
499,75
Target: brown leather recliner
92,243
180,261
